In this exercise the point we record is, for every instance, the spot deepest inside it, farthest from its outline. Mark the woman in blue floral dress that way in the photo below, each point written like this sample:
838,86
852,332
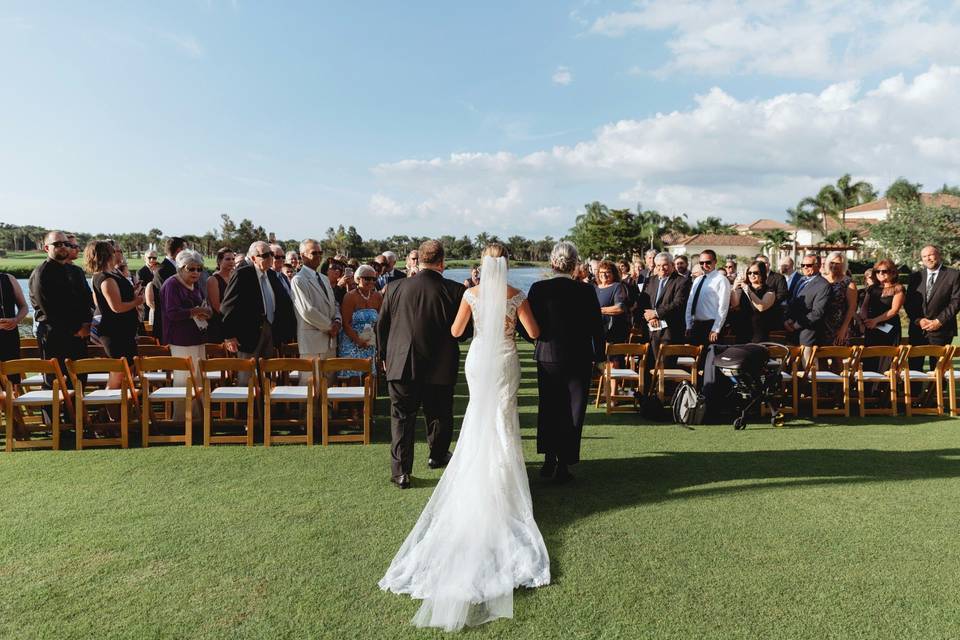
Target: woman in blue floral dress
360,310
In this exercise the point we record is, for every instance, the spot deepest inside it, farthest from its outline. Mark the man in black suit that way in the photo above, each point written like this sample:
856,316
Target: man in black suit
666,295
571,341
805,311
167,268
257,311
422,360
932,303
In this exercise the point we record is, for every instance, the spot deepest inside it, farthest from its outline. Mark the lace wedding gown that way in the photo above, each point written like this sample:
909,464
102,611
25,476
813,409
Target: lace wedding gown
476,540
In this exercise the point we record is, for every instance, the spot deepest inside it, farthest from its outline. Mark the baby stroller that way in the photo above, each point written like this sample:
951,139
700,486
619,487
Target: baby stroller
742,377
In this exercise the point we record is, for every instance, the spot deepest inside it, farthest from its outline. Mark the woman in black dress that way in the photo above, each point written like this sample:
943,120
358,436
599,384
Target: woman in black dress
614,305
117,301
13,309
880,312
216,286
750,303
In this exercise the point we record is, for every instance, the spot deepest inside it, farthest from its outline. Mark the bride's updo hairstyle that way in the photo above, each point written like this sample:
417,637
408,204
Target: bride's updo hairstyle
564,258
495,250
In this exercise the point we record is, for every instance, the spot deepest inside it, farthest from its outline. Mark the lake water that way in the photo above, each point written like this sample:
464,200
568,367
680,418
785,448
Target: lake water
521,278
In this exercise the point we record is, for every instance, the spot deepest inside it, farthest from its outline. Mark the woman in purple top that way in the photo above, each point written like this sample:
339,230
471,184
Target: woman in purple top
182,304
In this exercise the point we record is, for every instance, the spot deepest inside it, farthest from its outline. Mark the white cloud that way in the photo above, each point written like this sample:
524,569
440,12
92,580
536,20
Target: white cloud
740,159
185,44
562,76
793,38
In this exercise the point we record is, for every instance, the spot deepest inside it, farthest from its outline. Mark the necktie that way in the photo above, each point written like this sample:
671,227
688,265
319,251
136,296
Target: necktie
269,303
803,282
323,285
931,279
696,297
663,281
793,285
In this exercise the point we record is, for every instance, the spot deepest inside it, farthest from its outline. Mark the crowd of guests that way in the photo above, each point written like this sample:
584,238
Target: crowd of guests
660,299
254,303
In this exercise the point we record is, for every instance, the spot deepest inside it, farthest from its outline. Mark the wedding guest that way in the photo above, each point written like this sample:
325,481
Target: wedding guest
806,310
378,264
150,266
751,302
665,301
648,263
413,261
360,311
708,304
790,275
570,342
613,299
869,278
880,312
932,302
216,287
777,283
293,259
317,314
682,266
731,270
335,270
842,305
625,276
13,309
257,311
117,300
168,267
390,273
62,306
278,256
288,271
474,278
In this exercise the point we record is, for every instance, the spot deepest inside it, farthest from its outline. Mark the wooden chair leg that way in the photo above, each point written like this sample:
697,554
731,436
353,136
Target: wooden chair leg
813,396
124,416
310,402
207,408
324,418
250,412
893,393
907,394
188,421
81,413
55,420
8,412
367,406
145,420
861,394
846,396
266,423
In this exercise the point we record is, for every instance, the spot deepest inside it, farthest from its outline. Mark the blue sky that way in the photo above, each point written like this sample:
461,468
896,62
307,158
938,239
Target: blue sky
461,117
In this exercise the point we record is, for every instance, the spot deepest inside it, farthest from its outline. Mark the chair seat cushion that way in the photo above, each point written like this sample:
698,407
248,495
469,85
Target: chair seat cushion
103,396
623,373
97,378
873,375
345,393
686,361
919,375
33,381
169,393
155,376
229,393
676,373
213,375
828,376
286,392
36,398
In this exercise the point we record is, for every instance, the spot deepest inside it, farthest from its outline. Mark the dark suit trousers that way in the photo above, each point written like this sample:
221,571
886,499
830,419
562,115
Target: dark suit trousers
700,333
61,346
564,390
406,399
919,337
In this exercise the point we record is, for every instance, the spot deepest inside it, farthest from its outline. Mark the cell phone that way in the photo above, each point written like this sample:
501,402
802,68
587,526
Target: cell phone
348,271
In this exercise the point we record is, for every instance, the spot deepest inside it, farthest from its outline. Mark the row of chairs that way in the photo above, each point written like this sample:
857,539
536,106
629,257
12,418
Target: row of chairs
231,390
843,366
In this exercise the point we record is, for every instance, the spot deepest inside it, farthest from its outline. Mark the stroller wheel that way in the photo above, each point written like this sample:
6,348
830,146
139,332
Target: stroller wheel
739,423
777,420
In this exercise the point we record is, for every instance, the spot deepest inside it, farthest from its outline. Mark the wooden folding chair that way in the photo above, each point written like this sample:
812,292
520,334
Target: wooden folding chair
950,376
843,358
353,394
147,340
18,402
934,375
165,395
789,393
273,372
228,392
125,397
686,370
632,376
889,377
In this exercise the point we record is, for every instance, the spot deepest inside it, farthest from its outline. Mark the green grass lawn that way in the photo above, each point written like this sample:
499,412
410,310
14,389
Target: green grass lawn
845,529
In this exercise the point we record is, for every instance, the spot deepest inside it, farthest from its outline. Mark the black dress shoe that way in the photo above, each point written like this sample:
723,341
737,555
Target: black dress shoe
402,481
439,463
549,468
563,474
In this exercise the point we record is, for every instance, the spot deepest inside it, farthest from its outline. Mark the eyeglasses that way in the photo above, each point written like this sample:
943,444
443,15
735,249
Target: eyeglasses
809,265
704,263
60,243
836,264
731,266
876,271
753,273
367,278
194,269
152,259
278,256
265,256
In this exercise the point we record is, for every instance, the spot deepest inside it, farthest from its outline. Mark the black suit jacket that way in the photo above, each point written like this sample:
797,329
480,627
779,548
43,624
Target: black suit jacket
243,313
944,302
413,331
777,283
673,304
807,310
61,298
167,269
571,326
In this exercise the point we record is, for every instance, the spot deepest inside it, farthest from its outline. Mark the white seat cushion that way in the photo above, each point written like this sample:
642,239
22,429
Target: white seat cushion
784,375
169,393
155,376
229,393
686,361
295,375
103,396
345,393
288,393
97,378
676,373
919,375
623,373
36,380
873,375
213,375
36,398
828,376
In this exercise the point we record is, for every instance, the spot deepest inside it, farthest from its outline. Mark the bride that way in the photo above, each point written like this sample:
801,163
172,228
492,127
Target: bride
476,540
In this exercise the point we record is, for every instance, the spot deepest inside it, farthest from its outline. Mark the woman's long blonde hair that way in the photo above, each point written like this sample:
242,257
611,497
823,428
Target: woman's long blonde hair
495,250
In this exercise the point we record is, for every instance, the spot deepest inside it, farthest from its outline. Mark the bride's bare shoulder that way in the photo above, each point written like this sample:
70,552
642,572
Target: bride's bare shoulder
511,291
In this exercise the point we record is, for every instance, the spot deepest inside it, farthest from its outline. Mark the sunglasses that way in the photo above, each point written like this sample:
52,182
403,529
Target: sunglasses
704,263
60,243
810,265
152,259
194,269
367,278
265,255
876,271
278,256
753,273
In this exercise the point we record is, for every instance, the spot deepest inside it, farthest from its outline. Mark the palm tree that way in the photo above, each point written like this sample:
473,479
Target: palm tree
849,194
714,226
774,239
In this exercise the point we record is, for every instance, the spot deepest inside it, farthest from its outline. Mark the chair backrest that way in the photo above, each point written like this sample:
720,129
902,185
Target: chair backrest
941,353
213,350
147,340
24,366
276,365
164,363
680,350
96,365
626,349
29,352
331,365
153,350
878,352
845,355
777,351
96,351
239,365
28,342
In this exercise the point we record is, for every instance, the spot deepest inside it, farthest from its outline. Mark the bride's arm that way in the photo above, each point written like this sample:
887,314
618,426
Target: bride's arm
525,314
462,320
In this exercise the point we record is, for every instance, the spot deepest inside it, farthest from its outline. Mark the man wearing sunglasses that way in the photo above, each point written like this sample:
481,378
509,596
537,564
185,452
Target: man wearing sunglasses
805,310
708,303
257,311
61,305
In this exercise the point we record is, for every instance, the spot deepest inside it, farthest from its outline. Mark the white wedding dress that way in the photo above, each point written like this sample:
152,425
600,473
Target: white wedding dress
476,540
